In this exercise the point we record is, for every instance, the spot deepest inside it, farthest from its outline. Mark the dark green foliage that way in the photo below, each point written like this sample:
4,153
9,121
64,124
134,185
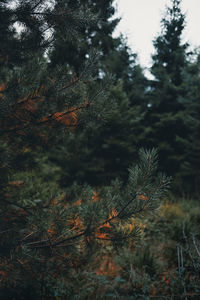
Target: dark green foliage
30,18
189,172
44,97
50,236
95,35
170,57
166,120
68,230
49,233
101,152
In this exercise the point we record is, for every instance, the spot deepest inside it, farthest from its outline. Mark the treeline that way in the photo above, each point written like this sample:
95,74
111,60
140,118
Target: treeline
76,113
162,113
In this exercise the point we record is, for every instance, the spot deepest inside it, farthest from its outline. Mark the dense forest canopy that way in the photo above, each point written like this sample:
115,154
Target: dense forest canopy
85,140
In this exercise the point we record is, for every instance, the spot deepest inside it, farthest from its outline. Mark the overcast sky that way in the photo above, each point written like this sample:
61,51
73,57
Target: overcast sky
141,24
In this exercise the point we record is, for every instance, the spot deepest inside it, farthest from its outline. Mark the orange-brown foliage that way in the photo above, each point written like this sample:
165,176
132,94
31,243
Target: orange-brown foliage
107,267
143,197
78,202
166,280
3,275
102,235
113,213
69,117
3,87
52,230
95,197
16,183
76,224
30,105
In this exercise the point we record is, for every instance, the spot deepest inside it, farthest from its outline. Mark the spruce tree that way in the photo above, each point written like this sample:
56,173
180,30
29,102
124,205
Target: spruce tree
189,172
170,57
164,121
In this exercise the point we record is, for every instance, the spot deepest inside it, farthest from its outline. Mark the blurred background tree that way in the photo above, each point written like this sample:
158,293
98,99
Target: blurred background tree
107,149
166,120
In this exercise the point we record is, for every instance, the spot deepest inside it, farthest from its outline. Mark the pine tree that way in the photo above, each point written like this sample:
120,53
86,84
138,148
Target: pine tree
30,17
95,35
101,152
45,100
50,236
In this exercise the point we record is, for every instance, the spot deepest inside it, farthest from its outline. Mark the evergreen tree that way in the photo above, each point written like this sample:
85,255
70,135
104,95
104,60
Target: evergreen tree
189,173
95,35
116,59
30,17
170,57
51,237
101,152
31,96
165,121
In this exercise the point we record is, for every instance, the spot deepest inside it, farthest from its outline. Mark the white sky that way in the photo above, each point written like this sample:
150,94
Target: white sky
141,24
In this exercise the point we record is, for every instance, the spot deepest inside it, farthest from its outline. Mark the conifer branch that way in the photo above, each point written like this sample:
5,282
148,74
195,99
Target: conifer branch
32,244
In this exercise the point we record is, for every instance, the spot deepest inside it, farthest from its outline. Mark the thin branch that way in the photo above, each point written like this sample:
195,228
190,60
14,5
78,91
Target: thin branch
28,235
54,244
26,209
195,245
41,122
72,83
122,210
